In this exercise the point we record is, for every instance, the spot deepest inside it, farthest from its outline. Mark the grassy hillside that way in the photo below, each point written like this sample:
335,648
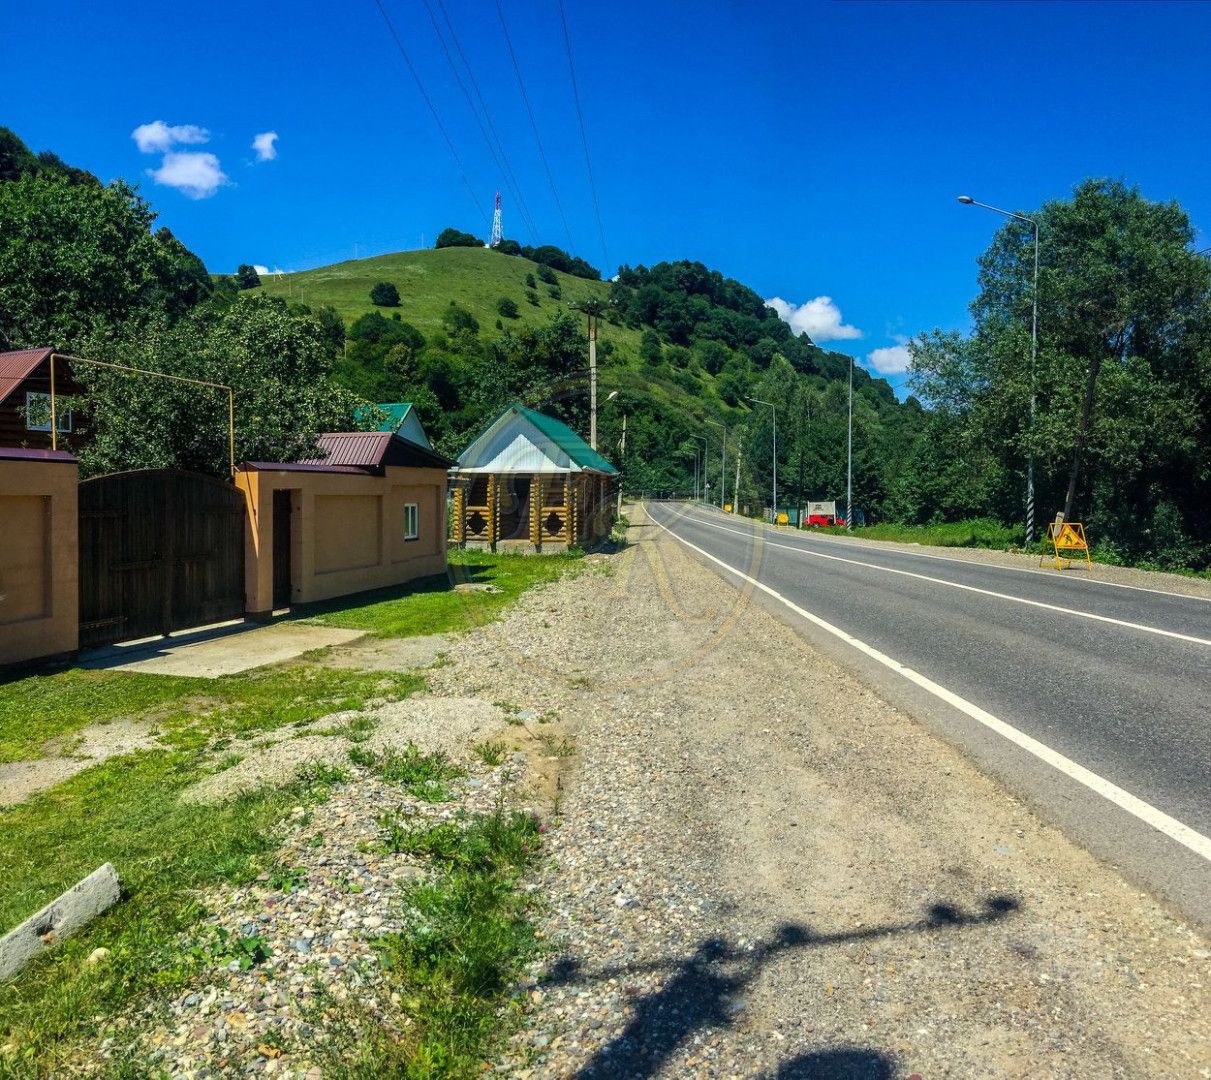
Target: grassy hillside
427,282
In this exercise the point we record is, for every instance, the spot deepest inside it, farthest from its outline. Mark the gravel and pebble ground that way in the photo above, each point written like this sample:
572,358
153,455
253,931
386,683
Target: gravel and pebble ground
310,925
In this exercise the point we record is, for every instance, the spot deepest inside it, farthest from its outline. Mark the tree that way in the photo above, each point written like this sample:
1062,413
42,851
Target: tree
277,363
384,294
332,326
650,350
547,275
530,282
454,238
457,318
509,247
246,277
506,308
1121,380
76,258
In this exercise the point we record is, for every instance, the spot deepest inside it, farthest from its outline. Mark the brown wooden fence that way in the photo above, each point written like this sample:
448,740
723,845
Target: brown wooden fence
160,550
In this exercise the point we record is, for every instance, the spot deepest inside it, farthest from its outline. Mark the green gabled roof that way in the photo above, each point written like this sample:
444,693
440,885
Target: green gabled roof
397,412
567,440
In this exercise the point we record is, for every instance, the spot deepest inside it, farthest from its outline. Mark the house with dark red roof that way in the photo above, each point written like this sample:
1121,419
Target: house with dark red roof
25,401
368,512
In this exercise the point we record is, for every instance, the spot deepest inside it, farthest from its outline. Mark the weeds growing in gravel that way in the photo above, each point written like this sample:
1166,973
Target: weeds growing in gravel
423,776
126,811
491,753
467,940
556,745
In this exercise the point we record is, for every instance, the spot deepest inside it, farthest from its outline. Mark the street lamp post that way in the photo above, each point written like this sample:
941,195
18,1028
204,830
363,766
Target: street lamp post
722,460
849,458
775,411
705,449
967,200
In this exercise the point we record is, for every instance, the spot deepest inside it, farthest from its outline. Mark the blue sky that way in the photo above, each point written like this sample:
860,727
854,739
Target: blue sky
809,150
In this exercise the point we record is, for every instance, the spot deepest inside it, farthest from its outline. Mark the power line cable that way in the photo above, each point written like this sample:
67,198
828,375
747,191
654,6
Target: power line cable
534,125
432,109
584,139
503,162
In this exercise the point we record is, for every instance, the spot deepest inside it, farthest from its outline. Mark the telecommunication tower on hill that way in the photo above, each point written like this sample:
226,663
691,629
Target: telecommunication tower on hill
497,232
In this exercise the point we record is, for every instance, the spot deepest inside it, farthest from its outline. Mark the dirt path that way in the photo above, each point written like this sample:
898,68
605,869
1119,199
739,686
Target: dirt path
765,870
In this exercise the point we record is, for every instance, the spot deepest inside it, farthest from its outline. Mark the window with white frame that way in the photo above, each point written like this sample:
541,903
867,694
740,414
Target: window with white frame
37,413
411,522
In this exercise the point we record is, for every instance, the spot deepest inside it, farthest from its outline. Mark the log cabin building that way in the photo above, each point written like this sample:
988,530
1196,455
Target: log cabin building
529,483
25,401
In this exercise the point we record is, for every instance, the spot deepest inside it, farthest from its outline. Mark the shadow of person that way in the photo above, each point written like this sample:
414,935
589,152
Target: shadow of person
696,996
704,990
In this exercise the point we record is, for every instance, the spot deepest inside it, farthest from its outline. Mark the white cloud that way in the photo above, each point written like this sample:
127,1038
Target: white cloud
195,174
262,271
893,360
819,319
158,136
264,146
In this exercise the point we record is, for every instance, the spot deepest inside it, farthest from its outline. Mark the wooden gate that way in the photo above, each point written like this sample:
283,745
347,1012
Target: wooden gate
160,550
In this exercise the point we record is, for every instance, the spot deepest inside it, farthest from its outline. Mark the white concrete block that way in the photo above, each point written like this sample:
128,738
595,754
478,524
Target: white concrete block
59,919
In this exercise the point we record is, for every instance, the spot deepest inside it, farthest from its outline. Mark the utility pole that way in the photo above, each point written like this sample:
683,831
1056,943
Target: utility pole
593,381
722,459
849,464
592,310
736,485
622,456
705,448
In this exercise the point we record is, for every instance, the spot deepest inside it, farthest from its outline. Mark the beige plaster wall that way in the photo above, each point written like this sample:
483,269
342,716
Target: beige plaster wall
347,531
39,565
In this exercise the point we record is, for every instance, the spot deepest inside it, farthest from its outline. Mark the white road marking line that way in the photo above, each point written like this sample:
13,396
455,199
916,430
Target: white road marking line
967,588
828,538
1172,828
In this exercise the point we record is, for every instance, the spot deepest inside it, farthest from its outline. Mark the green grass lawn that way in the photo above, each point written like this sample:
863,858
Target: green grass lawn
189,712
434,606
428,280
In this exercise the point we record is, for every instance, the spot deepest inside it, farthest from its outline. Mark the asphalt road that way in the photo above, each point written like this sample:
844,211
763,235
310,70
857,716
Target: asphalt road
1114,683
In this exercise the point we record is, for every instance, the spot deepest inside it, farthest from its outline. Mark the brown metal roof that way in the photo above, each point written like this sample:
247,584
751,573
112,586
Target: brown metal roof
16,367
365,448
374,450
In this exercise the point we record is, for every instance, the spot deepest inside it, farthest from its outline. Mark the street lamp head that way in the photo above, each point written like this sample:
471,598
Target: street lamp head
611,395
966,200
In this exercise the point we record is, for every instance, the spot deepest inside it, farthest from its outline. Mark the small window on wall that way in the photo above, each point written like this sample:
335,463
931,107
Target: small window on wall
411,522
37,413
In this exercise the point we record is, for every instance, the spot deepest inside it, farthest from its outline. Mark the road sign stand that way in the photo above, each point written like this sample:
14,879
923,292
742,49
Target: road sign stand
1066,536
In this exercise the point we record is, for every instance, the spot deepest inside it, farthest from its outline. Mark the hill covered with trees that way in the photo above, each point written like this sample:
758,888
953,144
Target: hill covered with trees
679,345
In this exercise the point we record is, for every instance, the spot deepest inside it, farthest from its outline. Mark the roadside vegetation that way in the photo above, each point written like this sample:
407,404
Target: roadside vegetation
977,532
125,811
490,583
991,534
469,936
